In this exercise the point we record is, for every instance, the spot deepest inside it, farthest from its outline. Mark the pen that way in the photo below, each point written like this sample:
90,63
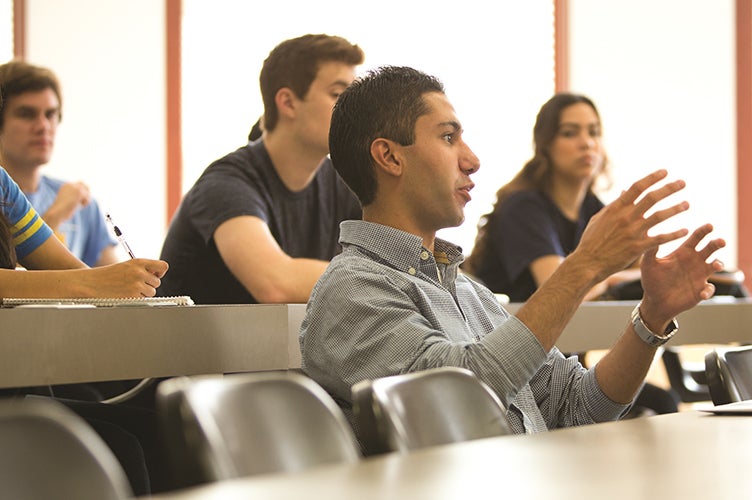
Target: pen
120,237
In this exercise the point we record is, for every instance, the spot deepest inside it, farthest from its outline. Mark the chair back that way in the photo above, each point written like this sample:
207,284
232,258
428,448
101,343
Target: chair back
689,381
47,451
729,374
427,408
245,424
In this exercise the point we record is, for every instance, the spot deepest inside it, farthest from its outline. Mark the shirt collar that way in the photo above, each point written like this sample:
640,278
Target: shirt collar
400,249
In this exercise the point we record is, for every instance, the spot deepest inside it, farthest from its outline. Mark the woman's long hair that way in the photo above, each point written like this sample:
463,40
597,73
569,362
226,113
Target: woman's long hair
537,172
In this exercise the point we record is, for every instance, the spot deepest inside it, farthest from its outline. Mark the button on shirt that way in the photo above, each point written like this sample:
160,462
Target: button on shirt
387,305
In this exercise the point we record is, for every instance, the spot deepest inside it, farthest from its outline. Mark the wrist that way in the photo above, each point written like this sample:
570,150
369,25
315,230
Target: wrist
652,315
580,272
649,335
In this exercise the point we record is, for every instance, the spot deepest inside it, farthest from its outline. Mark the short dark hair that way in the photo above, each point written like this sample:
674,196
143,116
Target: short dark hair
384,103
294,64
18,77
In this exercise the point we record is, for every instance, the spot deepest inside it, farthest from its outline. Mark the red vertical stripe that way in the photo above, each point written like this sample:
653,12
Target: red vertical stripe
173,99
561,45
744,135
19,29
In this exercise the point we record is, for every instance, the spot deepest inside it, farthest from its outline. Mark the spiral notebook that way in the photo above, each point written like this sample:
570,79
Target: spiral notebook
180,300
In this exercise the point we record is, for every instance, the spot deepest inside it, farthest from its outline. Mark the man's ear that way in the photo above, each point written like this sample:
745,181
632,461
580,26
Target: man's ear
285,101
387,156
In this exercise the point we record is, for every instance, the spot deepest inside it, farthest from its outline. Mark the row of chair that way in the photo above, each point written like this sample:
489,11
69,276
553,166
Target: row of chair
221,427
721,378
240,425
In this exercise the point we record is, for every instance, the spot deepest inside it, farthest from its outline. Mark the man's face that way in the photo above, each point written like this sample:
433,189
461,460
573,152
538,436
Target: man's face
314,111
438,168
28,134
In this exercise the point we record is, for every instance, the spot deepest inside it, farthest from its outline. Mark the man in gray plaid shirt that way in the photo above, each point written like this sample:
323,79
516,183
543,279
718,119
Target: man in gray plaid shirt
394,302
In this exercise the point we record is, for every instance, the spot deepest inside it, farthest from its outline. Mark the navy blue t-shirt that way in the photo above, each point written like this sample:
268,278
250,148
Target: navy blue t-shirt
527,226
305,224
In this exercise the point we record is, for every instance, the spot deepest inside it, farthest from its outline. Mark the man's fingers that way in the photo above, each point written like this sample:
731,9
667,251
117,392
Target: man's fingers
653,197
638,188
665,214
664,238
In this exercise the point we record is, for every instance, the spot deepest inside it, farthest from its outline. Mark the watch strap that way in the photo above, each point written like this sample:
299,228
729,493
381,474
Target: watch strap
646,335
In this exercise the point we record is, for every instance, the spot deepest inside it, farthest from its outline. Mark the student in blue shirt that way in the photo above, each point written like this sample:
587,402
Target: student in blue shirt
29,119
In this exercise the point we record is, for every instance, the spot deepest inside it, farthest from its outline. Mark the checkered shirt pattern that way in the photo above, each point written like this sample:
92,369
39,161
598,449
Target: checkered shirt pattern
381,309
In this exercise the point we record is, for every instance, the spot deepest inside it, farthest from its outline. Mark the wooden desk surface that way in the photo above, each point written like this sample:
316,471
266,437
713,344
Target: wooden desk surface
54,346
58,346
679,456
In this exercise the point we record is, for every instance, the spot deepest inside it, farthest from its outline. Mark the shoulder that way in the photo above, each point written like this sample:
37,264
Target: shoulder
235,171
524,201
242,159
7,183
522,207
11,193
52,183
352,276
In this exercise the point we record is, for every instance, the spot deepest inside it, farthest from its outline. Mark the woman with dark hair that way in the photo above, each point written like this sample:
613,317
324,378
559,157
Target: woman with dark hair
543,210
540,215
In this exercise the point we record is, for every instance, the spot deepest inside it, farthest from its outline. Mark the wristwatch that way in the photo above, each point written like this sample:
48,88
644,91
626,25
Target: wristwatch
646,335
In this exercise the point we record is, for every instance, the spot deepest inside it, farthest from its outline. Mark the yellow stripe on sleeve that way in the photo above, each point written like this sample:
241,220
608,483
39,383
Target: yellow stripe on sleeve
30,231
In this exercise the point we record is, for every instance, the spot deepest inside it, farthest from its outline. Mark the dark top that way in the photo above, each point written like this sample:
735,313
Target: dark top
305,224
527,226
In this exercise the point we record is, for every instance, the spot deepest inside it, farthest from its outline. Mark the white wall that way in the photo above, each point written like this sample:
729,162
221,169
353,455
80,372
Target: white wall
495,59
663,76
110,58
660,72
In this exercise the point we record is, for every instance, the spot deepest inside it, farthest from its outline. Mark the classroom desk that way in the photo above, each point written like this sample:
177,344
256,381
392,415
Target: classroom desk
597,325
42,346
677,456
58,346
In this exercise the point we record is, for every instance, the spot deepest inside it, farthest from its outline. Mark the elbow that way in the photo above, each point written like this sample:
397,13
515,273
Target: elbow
277,294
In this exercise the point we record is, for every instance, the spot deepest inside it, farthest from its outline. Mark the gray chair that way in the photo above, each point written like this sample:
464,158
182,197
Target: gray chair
427,408
222,427
729,374
47,451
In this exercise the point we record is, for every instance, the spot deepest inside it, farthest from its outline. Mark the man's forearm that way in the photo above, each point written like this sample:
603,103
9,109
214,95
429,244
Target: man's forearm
622,371
550,308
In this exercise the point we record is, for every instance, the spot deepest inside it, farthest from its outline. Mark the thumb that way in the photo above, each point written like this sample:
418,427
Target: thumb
650,255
